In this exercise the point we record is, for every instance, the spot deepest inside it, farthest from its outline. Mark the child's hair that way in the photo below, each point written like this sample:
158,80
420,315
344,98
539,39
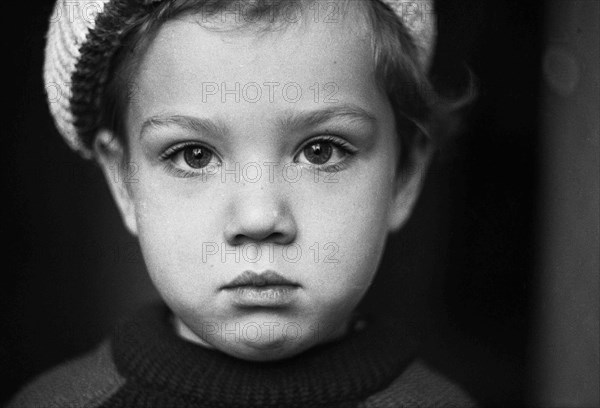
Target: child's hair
399,69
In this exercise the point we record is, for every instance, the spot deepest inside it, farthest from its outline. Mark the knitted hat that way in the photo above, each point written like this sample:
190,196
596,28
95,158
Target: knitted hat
84,35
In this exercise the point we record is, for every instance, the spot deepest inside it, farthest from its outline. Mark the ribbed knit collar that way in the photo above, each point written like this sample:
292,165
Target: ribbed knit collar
148,352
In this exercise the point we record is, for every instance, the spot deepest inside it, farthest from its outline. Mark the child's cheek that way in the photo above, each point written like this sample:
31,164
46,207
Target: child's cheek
346,223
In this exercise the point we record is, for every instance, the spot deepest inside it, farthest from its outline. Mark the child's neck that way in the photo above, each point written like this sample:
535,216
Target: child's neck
187,334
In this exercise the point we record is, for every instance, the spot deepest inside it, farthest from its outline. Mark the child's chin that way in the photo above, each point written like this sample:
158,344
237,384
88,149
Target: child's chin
265,351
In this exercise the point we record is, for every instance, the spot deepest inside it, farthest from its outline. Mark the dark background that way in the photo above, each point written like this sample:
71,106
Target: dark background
462,268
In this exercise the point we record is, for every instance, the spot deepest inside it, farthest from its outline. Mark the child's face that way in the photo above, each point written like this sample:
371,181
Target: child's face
254,190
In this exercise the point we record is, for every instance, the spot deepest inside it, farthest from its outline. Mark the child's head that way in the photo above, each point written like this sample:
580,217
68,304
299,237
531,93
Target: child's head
261,140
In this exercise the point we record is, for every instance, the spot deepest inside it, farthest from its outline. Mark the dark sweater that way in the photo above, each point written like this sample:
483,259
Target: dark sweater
145,364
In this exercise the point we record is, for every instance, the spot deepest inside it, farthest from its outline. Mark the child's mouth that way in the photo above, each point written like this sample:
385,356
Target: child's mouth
267,289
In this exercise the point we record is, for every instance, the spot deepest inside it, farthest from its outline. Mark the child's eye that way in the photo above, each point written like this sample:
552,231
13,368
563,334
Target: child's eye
327,153
197,157
189,159
318,152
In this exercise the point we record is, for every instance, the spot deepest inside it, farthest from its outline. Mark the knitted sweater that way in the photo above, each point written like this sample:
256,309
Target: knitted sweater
145,364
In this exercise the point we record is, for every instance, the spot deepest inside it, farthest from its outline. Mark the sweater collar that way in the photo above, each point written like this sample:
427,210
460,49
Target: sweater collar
148,352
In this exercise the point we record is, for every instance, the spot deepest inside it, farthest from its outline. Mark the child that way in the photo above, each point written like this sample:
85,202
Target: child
271,147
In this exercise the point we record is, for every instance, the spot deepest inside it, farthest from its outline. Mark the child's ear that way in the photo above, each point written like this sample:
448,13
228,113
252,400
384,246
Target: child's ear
409,182
111,156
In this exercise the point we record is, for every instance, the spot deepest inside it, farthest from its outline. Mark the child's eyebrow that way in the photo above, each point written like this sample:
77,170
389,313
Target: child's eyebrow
297,120
291,120
190,123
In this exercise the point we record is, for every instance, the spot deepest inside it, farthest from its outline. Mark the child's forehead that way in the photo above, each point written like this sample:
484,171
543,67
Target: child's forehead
187,60
341,37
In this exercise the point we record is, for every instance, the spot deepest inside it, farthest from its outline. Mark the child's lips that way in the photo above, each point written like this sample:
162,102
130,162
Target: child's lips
267,289
253,279
263,296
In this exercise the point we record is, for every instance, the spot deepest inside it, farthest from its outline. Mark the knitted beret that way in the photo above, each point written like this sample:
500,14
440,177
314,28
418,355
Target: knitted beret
84,35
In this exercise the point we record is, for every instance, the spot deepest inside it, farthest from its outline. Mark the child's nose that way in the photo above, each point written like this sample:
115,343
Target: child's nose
260,213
